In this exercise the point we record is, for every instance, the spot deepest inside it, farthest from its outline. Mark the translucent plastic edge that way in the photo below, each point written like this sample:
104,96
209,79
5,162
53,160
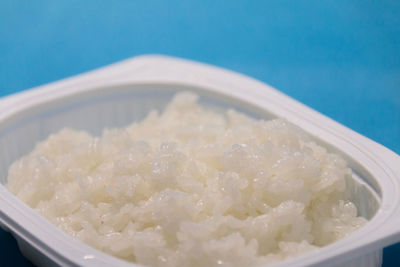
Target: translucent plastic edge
381,162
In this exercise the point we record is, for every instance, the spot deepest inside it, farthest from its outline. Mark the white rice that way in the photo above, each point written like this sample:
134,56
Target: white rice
191,187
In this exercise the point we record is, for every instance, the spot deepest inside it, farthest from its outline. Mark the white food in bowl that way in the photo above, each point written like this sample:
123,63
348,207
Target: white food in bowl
191,187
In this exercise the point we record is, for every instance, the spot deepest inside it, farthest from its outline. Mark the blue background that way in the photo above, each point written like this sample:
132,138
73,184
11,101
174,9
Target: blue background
340,57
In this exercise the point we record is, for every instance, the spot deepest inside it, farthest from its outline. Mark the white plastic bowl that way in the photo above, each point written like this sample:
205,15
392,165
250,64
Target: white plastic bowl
118,94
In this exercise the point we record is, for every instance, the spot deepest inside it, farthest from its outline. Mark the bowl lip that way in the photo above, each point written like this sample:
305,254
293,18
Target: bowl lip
382,230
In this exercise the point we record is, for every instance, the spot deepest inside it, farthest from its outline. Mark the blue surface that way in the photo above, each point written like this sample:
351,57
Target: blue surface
340,57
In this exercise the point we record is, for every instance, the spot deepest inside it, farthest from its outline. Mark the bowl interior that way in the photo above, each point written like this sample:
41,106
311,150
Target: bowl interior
95,110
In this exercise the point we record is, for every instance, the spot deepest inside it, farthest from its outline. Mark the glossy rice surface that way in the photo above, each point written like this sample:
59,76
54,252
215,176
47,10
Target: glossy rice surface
191,187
